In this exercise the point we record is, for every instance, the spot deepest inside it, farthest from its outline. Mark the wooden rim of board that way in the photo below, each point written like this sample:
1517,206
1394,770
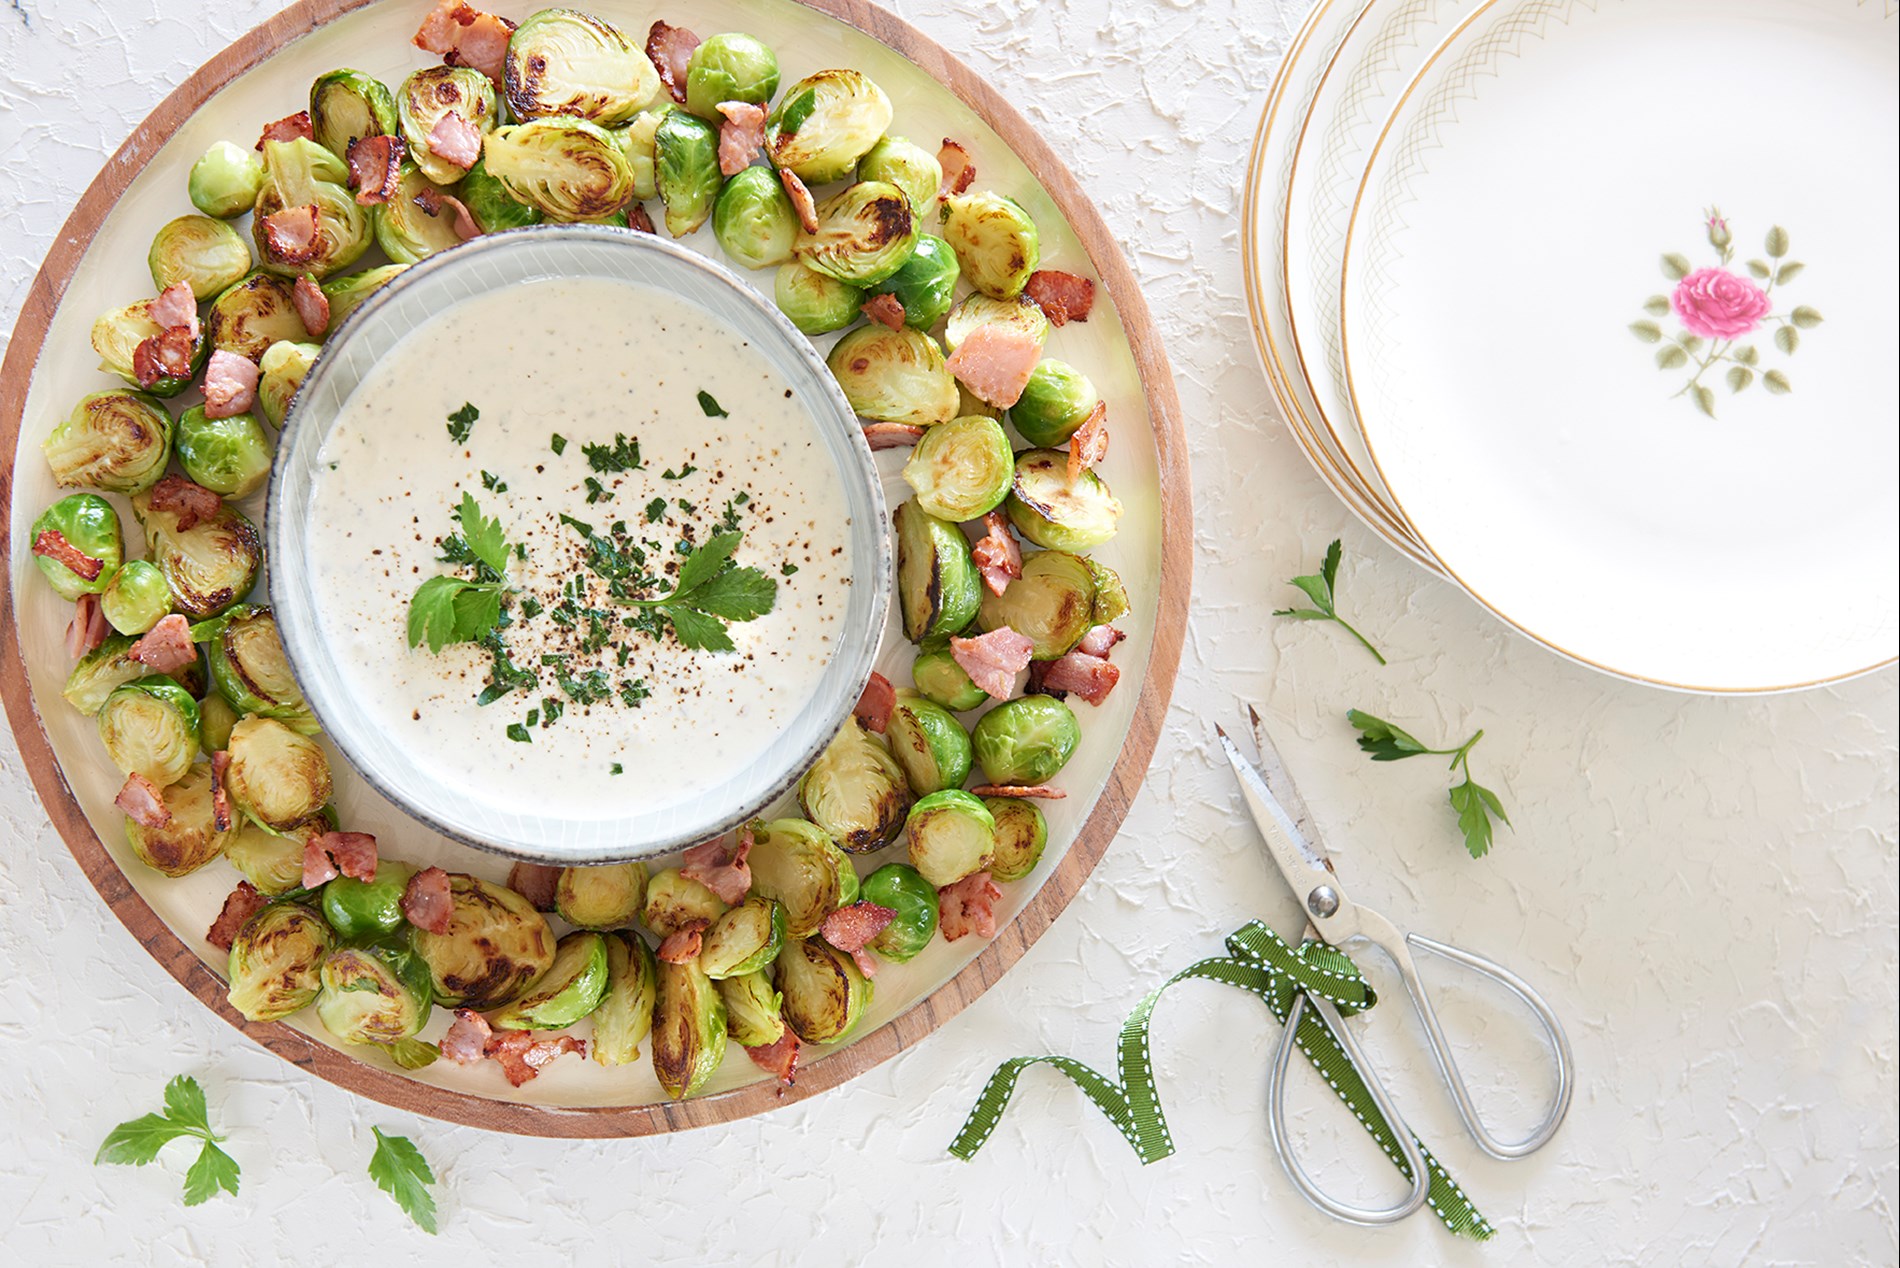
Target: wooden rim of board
338,1067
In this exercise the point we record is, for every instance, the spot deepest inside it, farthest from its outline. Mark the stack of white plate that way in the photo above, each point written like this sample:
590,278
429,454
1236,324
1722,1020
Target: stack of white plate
1591,305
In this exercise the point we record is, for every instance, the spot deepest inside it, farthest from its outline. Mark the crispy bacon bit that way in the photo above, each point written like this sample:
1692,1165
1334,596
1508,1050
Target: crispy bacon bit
166,647
996,554
780,1060
1041,792
994,659
464,36
535,882
142,802
968,906
221,817
1089,443
1063,297
176,308
354,852
231,381
725,872
852,928
887,309
239,906
427,902
1100,641
670,48
455,140
289,128
467,1037
994,361
958,168
165,355
375,168
189,504
432,201
88,627
638,219
740,136
682,945
52,544
521,1054
290,235
867,962
312,305
318,867
876,702
1090,677
801,199
892,435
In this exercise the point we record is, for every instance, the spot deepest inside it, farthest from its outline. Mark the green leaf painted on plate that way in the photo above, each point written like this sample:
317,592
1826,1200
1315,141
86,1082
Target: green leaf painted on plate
1787,338
1777,242
1777,382
1691,342
1675,267
1805,317
1647,331
1788,272
1759,268
1704,399
1668,358
1657,305
1746,354
1739,377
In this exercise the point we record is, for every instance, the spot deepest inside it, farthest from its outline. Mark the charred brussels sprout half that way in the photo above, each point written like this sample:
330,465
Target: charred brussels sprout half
350,290
497,946
572,987
929,743
744,940
1051,510
952,835
938,587
281,373
825,123
753,219
278,777
730,66
251,671
90,526
361,911
636,142
347,105
254,314
205,254
825,991
942,681
408,232
895,376
276,962
225,181
625,1013
1021,835
227,455
216,717
962,469
490,203
137,599
150,728
686,170
865,233
116,337
753,1017
796,864
117,440
925,284
1025,741
301,173
904,890
568,169
1057,399
689,1029
190,838
911,168
100,672
609,897
211,565
1111,597
271,863
855,791
816,304
378,993
433,92
995,241
1017,314
565,62
675,902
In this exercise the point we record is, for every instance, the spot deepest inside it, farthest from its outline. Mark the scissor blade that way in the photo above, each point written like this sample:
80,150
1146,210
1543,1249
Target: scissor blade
1299,863
1281,785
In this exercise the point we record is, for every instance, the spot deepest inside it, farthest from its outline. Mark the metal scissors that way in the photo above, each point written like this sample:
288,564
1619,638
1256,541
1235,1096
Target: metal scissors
1334,918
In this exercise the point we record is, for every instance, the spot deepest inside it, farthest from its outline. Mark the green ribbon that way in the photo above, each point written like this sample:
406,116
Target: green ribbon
1263,965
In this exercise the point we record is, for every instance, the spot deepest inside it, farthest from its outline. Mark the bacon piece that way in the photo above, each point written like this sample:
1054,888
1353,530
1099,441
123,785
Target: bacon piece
887,309
467,1037
868,963
231,381
375,168
176,308
455,140
958,168
994,361
994,659
221,817
1088,444
290,235
189,504
1063,297
801,199
432,201
535,882
427,902
968,906
165,355
354,852
166,647
670,48
239,906
740,136
1041,792
312,305
521,1054
682,945
638,219
780,1060
143,802
52,544
725,872
852,928
88,627
1100,641
289,128
996,554
318,868
464,36
875,703
892,435
1090,677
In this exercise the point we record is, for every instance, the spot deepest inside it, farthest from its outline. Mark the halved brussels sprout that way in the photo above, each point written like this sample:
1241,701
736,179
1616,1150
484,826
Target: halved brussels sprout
273,864
565,62
1025,741
361,911
609,897
689,1029
432,92
730,66
796,864
347,105
497,945
100,672
150,728
117,335
961,470
1111,597
490,203
744,940
117,440
942,681
753,219
816,304
277,776
1021,834
211,565
137,599
952,835
865,233
300,173
1057,399
227,455
855,791
89,525
1018,314
216,717
252,315
572,987
968,405
825,124
413,1054
276,962
895,376
686,169
406,232
995,240
752,1009
346,292
825,991
1052,603
1054,511
938,587
929,743
569,169
282,372
904,890
848,883
190,838
374,994
925,284
636,142
912,169
225,181
625,1013
204,253
674,901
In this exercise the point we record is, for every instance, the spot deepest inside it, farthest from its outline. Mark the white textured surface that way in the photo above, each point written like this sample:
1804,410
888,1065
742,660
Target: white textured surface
1705,888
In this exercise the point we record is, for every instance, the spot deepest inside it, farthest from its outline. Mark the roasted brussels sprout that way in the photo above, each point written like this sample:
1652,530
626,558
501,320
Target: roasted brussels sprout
686,170
282,372
276,962
625,1013
961,470
753,219
925,284
938,587
408,233
347,105
301,173
968,405
137,598
674,901
904,890
379,993
490,203
825,991
117,440
433,92
636,142
572,987
730,66
361,911
271,863
744,940
1018,314
150,728
848,884
752,1009
825,124
942,681
346,292
796,864
1057,399
689,1029
816,304
254,314
912,169
206,254
216,717
569,169
100,672
227,455
895,376
609,897
929,743
1111,597
90,526
865,233
1050,509
952,834
855,791
1021,834
250,670
569,63
117,335
995,241
496,947
225,181
1025,741
190,838
276,775
211,565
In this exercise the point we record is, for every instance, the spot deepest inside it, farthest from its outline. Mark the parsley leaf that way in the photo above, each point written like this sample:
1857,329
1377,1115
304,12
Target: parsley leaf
1386,743
710,407
462,422
399,1169
622,455
1474,803
558,443
214,1170
737,594
697,631
1319,589
706,560
483,534
138,1141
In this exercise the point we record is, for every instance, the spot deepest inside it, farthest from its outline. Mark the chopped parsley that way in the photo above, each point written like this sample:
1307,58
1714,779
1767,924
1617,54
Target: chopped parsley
632,693
519,734
681,474
558,443
615,769
597,492
551,710
530,608
462,422
655,510
790,570
622,455
711,407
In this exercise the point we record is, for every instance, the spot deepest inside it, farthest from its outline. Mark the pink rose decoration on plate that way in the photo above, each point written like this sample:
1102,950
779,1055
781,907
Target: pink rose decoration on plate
1716,304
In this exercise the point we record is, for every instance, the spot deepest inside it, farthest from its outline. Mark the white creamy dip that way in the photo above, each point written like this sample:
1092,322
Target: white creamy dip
587,360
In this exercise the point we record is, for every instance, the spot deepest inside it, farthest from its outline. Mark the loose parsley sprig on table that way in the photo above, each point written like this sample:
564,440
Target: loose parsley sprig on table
137,1142
400,1170
710,588
1474,803
1320,590
449,609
